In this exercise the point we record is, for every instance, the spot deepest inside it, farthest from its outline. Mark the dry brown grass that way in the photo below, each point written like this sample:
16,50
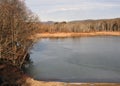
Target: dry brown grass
62,35
32,82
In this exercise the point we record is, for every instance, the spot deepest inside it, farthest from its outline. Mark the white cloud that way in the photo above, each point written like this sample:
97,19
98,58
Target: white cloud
63,9
81,7
67,9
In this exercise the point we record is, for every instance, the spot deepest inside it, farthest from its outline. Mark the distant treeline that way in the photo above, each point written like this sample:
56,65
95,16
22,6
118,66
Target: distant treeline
17,24
83,26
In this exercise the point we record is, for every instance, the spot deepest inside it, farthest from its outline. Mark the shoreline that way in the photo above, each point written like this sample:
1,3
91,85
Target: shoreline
32,82
65,35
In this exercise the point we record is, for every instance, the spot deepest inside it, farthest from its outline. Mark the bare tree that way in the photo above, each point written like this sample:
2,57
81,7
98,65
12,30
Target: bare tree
17,23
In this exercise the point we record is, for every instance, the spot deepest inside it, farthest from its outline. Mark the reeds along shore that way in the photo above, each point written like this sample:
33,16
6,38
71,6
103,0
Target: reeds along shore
63,35
79,28
32,82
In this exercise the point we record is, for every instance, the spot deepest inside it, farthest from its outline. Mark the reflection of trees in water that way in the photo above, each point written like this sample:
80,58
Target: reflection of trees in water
28,66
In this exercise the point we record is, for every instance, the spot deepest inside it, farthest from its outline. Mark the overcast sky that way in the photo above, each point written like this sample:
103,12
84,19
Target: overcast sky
68,10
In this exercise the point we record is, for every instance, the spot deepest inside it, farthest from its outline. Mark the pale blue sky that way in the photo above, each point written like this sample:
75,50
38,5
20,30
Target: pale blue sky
68,10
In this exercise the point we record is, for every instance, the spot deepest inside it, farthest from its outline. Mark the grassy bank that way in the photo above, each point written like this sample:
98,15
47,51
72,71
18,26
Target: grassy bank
62,35
32,82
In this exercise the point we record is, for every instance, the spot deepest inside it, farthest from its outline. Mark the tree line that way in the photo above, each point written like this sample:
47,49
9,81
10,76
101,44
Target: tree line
82,26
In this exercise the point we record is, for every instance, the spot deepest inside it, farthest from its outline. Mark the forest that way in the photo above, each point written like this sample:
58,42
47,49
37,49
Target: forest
82,26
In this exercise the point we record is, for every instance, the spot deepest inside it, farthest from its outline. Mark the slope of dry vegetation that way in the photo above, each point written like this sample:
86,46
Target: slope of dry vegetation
17,24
